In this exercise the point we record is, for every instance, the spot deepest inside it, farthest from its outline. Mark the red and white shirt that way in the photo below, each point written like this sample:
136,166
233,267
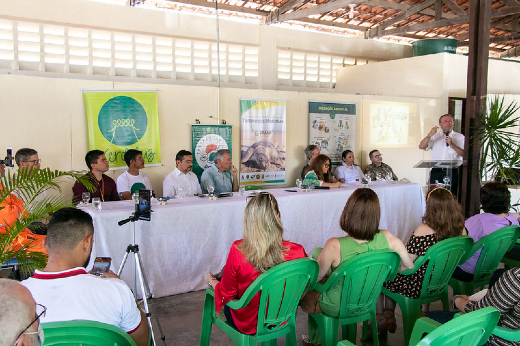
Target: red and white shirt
75,295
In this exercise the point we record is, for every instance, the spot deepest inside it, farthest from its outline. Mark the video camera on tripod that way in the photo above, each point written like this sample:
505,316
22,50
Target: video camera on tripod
8,161
142,208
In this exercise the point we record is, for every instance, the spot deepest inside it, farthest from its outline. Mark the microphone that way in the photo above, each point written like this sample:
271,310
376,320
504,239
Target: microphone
447,133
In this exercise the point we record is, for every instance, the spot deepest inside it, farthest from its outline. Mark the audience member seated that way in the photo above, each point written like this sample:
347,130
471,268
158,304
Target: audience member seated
378,168
104,186
311,152
348,172
19,316
318,173
70,293
126,181
494,200
443,219
505,296
360,221
262,248
182,176
221,174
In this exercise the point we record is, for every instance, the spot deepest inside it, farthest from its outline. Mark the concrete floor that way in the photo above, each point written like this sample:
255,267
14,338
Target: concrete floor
180,317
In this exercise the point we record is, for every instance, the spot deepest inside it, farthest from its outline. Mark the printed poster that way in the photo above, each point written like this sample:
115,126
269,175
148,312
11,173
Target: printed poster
262,142
206,140
332,127
122,120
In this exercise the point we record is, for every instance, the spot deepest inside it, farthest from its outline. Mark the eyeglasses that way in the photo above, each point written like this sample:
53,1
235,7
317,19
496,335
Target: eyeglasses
327,165
380,155
40,311
35,162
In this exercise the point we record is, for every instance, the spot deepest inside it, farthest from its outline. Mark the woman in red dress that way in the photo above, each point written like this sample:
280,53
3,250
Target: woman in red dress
262,248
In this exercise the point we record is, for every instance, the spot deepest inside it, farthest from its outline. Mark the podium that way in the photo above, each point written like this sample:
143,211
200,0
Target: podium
443,173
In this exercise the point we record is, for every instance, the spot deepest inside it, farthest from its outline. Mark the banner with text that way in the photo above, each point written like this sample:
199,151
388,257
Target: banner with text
262,142
205,141
122,120
332,127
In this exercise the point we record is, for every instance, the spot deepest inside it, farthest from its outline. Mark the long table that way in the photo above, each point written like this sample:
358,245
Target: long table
189,237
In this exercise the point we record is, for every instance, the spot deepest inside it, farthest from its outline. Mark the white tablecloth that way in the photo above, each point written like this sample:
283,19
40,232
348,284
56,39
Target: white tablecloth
189,237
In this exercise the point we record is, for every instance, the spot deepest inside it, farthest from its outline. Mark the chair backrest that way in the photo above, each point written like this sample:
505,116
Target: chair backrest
281,289
493,247
84,333
467,330
442,258
363,276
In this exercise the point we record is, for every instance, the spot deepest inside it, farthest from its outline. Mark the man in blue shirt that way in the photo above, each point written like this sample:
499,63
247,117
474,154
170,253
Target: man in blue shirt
221,174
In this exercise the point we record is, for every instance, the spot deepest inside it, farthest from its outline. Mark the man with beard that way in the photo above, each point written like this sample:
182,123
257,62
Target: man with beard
19,315
131,180
70,293
182,177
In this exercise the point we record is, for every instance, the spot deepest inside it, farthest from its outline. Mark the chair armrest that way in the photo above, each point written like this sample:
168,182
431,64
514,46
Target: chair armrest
507,334
423,325
416,265
345,343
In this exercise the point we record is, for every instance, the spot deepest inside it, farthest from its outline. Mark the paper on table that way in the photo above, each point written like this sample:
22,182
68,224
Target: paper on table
478,295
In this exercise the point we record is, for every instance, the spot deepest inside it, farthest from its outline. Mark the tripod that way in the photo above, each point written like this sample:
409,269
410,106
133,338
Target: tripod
145,289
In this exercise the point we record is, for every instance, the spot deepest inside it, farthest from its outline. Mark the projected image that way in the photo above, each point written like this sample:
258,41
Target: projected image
388,124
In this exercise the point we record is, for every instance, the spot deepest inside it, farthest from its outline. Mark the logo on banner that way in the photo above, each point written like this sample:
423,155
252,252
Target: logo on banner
207,147
122,121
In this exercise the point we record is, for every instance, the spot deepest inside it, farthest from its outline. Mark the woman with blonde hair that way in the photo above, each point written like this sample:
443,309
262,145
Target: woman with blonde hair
262,248
443,219
319,174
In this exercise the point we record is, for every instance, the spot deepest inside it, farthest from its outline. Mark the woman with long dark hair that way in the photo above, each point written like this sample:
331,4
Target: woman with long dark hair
319,174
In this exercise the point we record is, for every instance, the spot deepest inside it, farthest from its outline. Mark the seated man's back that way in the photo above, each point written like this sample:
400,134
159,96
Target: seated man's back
75,295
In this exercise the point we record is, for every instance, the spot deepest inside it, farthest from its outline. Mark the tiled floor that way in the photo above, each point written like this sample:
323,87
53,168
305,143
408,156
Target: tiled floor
180,317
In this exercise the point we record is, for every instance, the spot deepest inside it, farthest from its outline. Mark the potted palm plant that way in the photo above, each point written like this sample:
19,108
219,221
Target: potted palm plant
500,142
20,193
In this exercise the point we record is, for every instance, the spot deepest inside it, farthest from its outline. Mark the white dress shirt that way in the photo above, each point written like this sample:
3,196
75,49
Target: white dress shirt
188,182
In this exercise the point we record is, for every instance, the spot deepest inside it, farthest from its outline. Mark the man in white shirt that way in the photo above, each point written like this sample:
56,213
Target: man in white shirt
125,182
70,293
445,145
182,177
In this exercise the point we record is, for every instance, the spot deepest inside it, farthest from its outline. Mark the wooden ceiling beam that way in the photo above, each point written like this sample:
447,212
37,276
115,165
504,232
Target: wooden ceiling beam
455,7
226,7
333,24
327,7
274,15
379,30
427,25
510,53
510,2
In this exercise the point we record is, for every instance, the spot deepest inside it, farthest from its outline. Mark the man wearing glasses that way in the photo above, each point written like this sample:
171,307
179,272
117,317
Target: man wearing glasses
70,293
27,159
377,169
19,315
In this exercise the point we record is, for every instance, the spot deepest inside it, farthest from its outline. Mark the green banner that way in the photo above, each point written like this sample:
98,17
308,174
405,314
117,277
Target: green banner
122,120
205,141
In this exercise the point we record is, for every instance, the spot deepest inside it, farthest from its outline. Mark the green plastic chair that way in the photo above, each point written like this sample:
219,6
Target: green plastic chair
363,276
470,329
507,334
493,247
281,289
84,333
511,263
442,259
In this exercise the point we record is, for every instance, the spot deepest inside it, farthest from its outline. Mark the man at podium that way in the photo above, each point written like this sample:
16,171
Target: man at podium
445,145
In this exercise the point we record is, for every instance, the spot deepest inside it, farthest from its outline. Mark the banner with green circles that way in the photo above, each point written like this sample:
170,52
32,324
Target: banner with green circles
122,120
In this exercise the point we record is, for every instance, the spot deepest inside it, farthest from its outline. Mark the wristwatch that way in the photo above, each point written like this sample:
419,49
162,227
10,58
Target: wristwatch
453,301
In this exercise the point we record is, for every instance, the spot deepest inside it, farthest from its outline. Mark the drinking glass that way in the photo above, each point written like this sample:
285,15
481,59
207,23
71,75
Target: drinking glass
96,202
135,198
447,181
389,176
210,188
378,176
298,183
180,192
85,196
241,190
